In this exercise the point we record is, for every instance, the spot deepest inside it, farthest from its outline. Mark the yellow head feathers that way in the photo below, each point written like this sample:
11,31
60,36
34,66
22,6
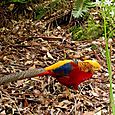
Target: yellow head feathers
94,63
89,66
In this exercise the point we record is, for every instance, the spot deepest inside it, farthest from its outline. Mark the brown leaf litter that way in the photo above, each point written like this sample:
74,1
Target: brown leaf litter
21,48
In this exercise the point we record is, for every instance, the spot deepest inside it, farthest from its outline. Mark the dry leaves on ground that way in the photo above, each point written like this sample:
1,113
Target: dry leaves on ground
21,49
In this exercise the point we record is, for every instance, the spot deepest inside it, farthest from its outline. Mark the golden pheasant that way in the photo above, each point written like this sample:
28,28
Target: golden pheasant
72,73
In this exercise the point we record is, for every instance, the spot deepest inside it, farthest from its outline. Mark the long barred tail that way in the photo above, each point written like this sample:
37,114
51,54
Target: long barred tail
30,73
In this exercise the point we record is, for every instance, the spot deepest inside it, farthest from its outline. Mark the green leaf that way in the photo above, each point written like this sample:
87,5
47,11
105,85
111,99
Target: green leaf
81,7
20,1
77,10
40,12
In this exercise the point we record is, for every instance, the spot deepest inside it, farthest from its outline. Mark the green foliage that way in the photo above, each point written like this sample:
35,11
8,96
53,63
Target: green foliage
108,14
89,31
40,12
49,8
20,1
92,30
109,10
15,1
81,7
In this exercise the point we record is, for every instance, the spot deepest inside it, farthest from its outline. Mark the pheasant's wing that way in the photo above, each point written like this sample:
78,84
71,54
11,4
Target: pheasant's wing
63,70
57,65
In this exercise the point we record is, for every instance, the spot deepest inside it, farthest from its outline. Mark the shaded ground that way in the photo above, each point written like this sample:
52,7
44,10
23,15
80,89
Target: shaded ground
22,47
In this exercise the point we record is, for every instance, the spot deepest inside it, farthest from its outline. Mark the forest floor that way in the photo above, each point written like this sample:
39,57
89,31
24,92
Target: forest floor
22,46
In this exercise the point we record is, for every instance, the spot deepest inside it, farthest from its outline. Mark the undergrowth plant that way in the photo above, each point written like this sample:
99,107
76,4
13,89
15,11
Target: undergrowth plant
49,8
108,13
87,31
91,29
81,7
82,12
